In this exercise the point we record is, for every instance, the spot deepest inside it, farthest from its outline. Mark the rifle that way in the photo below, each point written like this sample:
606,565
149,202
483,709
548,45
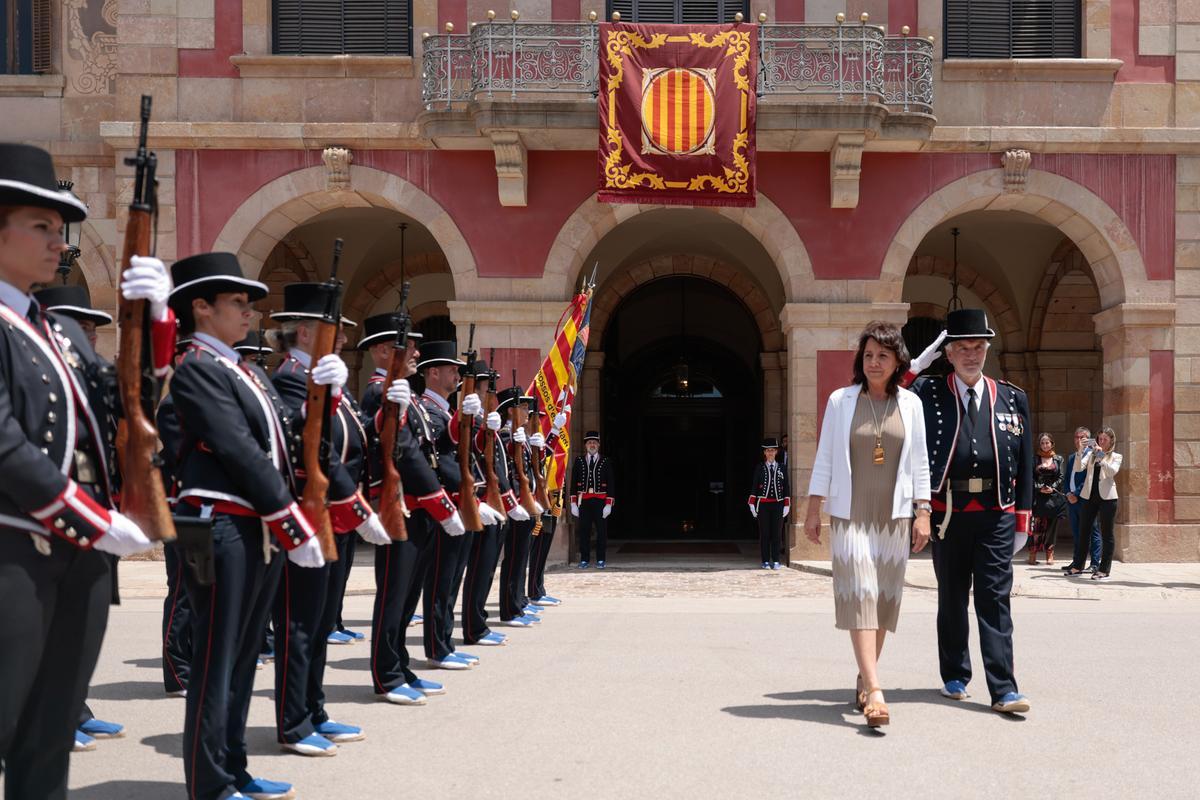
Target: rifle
526,494
392,511
143,498
539,463
318,430
468,504
492,493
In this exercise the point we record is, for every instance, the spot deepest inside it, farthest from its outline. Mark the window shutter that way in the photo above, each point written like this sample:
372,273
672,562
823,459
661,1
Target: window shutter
699,12
623,7
654,11
41,36
1012,29
691,12
331,27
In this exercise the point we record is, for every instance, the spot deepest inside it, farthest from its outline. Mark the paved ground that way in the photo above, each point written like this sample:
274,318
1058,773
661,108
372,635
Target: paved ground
670,679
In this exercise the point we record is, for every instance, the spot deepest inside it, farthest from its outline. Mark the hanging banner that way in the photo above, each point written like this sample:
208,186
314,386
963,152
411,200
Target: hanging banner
677,106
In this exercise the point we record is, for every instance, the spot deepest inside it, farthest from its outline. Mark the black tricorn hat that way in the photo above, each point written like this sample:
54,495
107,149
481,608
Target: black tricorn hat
481,369
210,272
303,301
381,328
71,301
436,353
770,442
27,179
591,435
252,345
511,395
968,323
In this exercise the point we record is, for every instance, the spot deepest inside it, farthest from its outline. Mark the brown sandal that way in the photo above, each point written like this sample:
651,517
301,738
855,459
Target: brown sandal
860,697
876,713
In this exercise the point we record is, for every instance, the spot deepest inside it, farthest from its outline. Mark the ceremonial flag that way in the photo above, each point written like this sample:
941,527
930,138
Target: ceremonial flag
555,384
677,105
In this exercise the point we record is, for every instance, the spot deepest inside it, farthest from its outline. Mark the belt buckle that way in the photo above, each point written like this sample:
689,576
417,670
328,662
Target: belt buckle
974,485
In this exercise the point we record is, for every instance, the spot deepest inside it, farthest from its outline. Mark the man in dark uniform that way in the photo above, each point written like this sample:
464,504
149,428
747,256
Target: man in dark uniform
58,518
540,548
235,468
306,607
770,502
981,466
592,499
514,606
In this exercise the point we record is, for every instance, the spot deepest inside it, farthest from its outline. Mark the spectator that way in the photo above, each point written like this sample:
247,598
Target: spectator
1049,503
1100,463
1074,481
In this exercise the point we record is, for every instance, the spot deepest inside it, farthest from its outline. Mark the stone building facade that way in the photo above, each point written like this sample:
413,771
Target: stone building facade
1073,184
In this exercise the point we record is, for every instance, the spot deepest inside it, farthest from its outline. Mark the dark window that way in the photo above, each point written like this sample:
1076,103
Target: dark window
25,37
336,27
1012,29
679,11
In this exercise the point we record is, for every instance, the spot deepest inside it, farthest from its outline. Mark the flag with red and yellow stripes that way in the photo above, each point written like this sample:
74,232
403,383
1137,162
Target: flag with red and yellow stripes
677,106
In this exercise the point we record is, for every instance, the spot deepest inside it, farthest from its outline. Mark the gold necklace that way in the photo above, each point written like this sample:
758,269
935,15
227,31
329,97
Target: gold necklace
877,455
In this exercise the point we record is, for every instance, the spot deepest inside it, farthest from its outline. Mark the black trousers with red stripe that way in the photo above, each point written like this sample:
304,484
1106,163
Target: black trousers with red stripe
228,621
342,577
440,592
53,610
331,620
457,587
176,624
591,515
398,580
770,531
539,553
512,569
481,573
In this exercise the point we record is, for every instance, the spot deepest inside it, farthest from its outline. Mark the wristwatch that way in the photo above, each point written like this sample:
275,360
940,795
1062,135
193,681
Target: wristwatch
923,505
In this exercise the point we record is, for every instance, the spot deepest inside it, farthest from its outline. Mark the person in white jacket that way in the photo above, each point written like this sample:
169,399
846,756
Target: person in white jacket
871,468
1099,466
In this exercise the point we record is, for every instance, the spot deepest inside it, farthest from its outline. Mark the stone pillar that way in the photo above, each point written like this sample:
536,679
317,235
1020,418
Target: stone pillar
810,328
773,393
1129,332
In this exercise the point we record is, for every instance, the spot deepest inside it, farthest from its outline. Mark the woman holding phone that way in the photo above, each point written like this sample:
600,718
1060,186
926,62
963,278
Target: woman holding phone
1100,463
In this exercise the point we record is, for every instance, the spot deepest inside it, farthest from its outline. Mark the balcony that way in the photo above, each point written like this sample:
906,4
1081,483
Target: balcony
816,84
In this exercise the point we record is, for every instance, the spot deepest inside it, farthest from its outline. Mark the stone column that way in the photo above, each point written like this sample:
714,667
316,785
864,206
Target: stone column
1128,333
773,392
810,328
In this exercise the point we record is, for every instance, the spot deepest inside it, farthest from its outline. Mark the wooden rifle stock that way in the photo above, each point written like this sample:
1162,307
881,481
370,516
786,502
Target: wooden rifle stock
539,465
526,494
468,504
492,493
143,498
318,445
392,511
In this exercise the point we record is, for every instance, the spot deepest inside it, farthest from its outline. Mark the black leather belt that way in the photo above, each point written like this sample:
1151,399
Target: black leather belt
972,485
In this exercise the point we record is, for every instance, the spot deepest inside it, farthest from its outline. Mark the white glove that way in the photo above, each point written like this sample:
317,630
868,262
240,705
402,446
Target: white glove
331,371
147,279
518,514
574,509
471,405
928,355
607,510
493,421
537,440
307,554
754,511
400,393
491,516
453,525
123,538
519,435
787,509
539,508
560,420
372,531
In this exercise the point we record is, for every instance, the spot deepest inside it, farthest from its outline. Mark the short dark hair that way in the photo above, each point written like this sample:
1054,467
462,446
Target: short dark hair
4,213
889,336
187,319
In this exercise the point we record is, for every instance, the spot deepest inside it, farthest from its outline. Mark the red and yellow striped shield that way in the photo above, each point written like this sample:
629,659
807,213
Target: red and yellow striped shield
678,111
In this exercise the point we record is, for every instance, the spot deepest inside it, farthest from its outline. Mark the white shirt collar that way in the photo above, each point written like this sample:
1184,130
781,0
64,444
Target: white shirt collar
304,358
442,402
14,298
961,387
381,371
221,348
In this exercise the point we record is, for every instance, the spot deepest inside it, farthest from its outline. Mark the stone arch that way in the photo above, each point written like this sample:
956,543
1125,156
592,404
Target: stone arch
97,267
268,215
627,279
593,220
1066,259
1087,220
387,279
1001,307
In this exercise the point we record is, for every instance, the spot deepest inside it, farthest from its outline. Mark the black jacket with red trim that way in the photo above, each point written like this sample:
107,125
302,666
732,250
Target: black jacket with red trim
369,405
594,482
416,452
762,487
445,443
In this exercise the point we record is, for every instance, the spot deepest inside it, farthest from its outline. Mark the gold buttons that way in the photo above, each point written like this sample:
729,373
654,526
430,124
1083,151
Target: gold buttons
48,436
60,523
71,533
51,416
52,397
45,378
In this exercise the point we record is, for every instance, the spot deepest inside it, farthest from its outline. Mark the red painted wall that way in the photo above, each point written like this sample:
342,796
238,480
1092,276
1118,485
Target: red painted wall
787,11
901,13
453,11
1162,434
525,360
568,11
1137,69
835,369
228,40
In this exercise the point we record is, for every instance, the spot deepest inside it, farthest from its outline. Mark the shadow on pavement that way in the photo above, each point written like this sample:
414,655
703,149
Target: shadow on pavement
834,707
129,790
129,690
145,663
356,693
169,744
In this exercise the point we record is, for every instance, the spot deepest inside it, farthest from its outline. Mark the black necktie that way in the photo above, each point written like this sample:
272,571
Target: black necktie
34,315
972,409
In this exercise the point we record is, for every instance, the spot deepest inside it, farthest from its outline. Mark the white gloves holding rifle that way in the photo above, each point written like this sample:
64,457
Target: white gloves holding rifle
147,279
537,440
519,435
400,393
493,421
471,405
372,530
490,516
331,371
307,554
123,538
453,525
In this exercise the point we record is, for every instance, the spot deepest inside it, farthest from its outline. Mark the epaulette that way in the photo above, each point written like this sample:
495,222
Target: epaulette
1012,385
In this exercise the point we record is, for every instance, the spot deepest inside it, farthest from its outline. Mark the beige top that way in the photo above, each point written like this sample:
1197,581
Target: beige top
874,484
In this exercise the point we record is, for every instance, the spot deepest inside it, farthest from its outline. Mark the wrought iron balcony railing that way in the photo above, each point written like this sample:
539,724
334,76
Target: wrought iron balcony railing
824,63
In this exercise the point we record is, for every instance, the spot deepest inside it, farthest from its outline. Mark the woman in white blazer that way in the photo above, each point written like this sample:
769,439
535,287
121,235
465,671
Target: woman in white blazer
871,468
1100,464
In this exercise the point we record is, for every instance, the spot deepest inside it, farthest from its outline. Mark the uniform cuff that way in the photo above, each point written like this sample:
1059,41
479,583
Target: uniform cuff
509,501
74,517
162,343
437,505
346,515
289,526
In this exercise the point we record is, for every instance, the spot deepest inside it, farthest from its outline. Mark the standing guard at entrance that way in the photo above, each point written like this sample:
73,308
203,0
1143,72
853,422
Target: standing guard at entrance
981,464
770,503
592,500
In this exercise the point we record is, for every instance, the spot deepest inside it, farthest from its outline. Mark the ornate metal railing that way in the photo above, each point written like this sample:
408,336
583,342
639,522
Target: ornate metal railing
831,63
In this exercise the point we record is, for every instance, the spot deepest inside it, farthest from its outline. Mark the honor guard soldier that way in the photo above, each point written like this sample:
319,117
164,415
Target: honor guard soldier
770,503
480,557
307,604
57,510
514,610
540,548
235,473
440,367
592,499
379,342
981,465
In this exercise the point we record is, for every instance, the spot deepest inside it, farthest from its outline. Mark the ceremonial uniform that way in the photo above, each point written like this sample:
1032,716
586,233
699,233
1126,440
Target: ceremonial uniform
981,467
592,488
517,540
770,499
540,546
177,611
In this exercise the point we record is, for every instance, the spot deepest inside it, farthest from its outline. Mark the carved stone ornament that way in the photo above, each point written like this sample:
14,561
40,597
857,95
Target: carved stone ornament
337,168
1016,170
512,167
845,168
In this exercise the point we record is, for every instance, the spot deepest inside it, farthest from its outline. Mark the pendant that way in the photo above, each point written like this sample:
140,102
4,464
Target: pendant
877,456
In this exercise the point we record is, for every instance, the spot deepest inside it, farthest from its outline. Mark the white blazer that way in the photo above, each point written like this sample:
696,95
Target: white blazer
831,474
1110,465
